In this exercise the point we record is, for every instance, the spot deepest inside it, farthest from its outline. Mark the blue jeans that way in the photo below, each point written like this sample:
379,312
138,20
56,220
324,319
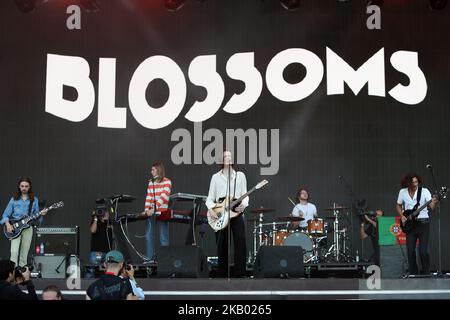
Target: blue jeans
95,258
163,236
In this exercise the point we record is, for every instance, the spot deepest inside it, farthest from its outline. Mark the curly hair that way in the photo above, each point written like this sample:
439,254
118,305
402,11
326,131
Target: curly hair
407,180
297,197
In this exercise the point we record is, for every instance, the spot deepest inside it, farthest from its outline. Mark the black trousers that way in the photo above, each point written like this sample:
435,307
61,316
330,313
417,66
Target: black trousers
376,250
240,248
420,231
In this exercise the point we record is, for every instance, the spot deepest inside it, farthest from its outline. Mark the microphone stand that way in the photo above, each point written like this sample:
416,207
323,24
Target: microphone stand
351,194
154,220
229,224
439,270
59,266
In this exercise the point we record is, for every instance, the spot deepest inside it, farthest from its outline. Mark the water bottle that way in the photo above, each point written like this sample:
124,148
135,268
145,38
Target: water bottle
357,256
38,249
42,248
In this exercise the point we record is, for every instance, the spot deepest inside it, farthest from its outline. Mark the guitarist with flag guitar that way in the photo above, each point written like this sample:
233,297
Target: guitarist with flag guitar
24,203
413,205
229,184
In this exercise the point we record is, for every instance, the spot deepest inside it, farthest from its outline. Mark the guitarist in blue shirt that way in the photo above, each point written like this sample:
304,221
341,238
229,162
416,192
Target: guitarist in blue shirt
23,204
410,198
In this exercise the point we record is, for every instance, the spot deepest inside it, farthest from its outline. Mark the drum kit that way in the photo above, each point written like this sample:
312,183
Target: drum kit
312,239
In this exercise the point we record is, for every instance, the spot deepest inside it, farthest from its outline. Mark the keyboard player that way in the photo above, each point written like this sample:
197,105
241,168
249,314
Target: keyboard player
157,201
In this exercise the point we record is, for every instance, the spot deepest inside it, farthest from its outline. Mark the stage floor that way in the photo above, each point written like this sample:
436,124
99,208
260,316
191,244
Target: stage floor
273,289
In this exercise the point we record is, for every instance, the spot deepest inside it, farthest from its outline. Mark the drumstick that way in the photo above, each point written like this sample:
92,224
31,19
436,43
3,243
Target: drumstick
292,201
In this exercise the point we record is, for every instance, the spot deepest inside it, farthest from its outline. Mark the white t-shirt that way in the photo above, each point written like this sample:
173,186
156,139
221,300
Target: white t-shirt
405,200
309,212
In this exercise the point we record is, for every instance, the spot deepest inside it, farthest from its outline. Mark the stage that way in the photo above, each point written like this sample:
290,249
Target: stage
273,289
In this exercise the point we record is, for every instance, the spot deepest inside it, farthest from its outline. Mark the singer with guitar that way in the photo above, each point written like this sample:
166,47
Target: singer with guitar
232,184
21,205
410,198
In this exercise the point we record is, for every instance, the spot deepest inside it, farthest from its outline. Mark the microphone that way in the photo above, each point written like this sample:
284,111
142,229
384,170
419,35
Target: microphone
429,167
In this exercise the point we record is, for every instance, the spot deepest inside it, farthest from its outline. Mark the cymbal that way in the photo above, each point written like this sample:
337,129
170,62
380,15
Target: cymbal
262,210
336,208
122,198
288,218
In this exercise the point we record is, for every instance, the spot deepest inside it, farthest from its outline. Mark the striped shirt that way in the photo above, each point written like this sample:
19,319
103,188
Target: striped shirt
162,193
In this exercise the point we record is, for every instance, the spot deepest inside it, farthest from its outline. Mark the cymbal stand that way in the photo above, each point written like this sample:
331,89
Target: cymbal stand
335,249
257,235
316,249
274,233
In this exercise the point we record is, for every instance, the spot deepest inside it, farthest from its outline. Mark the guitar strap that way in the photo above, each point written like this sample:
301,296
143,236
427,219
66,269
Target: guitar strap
30,206
419,195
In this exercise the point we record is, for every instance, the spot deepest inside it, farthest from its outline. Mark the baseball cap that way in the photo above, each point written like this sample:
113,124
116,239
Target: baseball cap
114,256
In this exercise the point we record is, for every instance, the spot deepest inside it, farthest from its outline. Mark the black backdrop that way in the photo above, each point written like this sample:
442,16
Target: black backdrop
371,141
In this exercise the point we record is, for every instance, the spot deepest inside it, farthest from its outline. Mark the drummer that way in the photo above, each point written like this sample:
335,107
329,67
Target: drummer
304,209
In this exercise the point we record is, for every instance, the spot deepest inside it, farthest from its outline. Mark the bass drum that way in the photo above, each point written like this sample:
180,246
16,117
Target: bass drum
303,240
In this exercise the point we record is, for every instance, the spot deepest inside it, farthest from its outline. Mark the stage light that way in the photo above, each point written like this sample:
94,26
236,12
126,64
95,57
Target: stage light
89,5
290,4
438,4
174,5
25,5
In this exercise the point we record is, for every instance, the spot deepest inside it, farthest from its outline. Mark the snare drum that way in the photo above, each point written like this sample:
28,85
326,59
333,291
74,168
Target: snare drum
316,227
303,240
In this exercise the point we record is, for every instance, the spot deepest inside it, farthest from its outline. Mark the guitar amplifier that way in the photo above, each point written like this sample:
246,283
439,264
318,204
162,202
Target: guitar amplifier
57,240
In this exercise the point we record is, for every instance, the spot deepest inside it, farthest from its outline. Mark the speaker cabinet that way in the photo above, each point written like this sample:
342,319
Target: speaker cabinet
51,266
393,261
279,262
182,262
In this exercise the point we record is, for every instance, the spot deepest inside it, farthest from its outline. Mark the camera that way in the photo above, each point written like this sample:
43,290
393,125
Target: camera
20,270
371,214
102,206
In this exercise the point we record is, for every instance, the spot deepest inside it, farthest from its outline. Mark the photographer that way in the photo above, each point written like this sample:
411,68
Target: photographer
128,273
110,286
101,236
11,277
369,229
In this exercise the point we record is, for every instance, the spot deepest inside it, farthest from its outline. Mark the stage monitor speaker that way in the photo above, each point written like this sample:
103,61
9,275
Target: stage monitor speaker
279,262
182,262
393,261
57,240
51,266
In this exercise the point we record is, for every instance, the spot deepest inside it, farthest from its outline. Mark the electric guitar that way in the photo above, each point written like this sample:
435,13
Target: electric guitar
24,223
411,214
224,209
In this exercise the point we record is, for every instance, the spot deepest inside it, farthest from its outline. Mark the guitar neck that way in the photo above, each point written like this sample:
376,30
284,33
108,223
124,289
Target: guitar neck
416,213
235,202
36,216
